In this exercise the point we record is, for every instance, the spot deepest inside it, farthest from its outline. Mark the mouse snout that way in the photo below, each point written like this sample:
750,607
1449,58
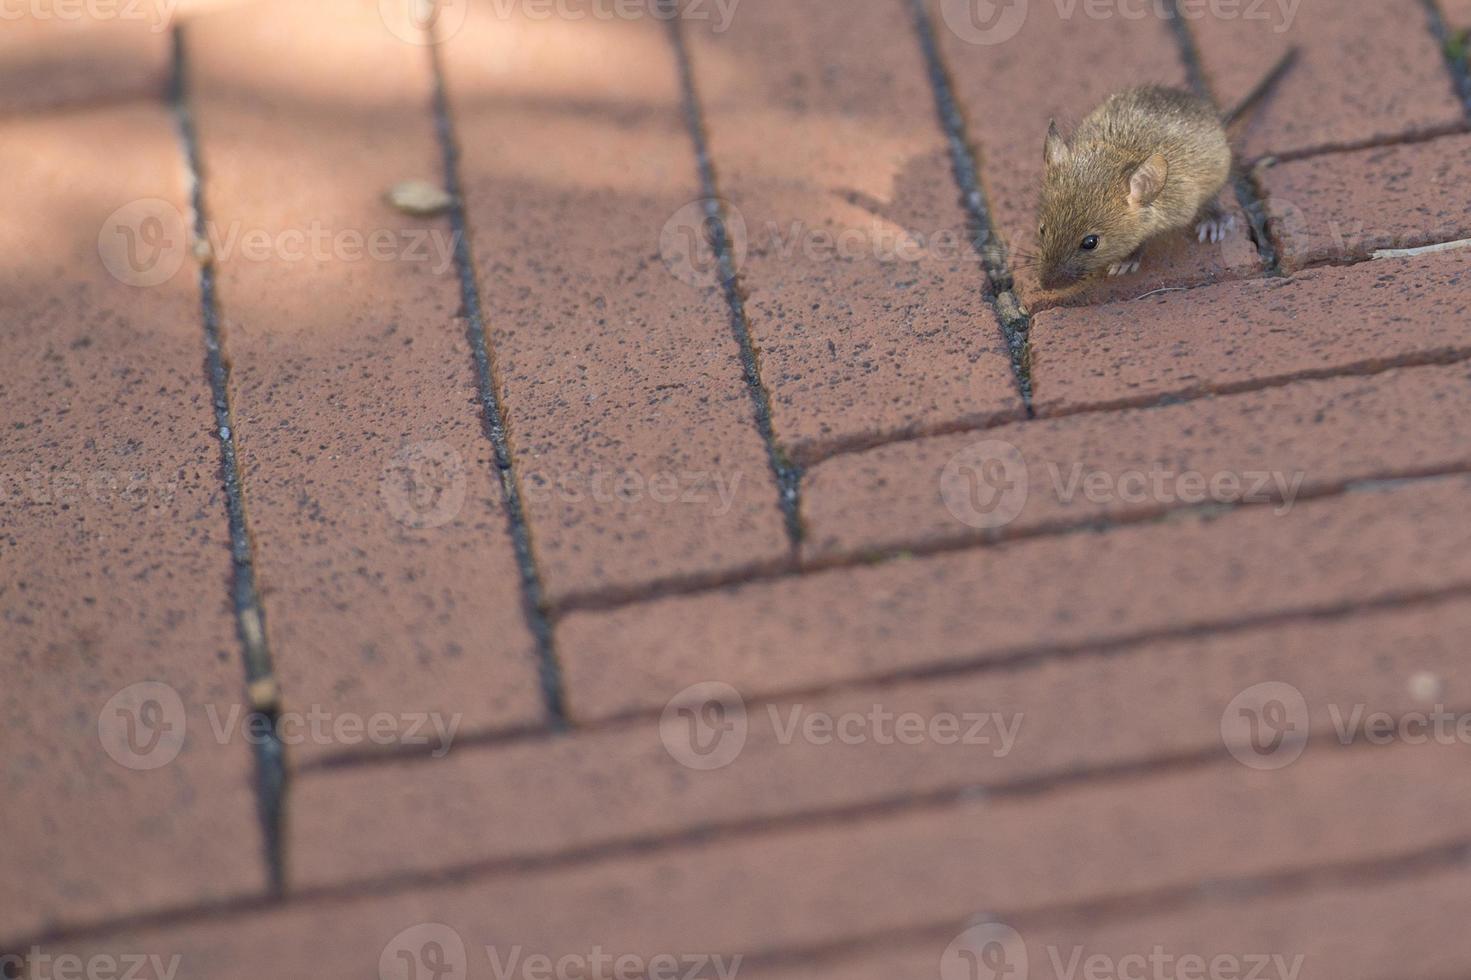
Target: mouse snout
1059,277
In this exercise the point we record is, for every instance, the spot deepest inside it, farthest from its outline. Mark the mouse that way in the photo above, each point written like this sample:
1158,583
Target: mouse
1148,161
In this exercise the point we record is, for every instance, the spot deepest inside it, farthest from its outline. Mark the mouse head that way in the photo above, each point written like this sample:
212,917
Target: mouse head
1094,210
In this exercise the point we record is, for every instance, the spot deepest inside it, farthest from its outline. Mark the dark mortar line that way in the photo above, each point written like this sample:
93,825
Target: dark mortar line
1010,311
1030,657
811,453
1405,864
493,421
1124,907
787,473
271,783
1427,135
1243,180
1459,68
685,587
1016,660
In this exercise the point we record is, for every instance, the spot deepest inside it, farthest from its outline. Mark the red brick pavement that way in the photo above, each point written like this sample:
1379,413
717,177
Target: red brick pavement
433,592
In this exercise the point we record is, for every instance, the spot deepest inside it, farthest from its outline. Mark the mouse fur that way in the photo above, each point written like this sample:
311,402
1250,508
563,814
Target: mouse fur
1148,161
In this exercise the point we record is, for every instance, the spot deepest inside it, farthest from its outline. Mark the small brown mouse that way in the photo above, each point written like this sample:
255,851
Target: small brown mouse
1148,161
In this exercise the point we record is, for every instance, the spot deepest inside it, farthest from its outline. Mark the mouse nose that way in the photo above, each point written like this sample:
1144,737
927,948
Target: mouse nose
1057,278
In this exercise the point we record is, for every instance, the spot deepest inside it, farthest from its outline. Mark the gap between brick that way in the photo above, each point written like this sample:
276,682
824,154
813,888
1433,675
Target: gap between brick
493,414
1126,905
787,473
1010,661
1248,190
1013,315
1459,68
262,691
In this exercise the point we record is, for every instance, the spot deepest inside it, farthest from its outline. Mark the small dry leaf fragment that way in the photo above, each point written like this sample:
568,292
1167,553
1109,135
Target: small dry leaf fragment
419,197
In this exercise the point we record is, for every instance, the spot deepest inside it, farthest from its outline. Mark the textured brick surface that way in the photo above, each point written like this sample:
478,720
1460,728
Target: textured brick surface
1280,443
628,412
1061,63
377,598
1047,720
114,562
863,290
1060,717
1347,205
1082,589
1239,334
54,55
801,887
1375,928
1328,99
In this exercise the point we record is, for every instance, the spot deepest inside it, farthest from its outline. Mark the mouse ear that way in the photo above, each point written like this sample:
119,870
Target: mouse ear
1147,180
1055,151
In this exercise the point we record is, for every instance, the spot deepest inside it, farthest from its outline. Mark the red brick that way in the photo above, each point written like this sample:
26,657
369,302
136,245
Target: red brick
1245,334
1079,589
1062,63
864,292
59,55
116,564
575,155
1457,13
1347,205
1377,928
612,785
1367,70
811,886
342,361
1307,437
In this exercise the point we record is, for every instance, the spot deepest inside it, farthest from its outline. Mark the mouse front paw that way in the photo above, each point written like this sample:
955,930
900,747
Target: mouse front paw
1124,268
1215,229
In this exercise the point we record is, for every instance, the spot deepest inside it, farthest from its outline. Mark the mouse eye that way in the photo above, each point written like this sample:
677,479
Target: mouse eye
1089,243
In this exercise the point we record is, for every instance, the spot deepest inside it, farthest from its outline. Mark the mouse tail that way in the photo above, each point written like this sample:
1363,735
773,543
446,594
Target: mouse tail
1269,80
